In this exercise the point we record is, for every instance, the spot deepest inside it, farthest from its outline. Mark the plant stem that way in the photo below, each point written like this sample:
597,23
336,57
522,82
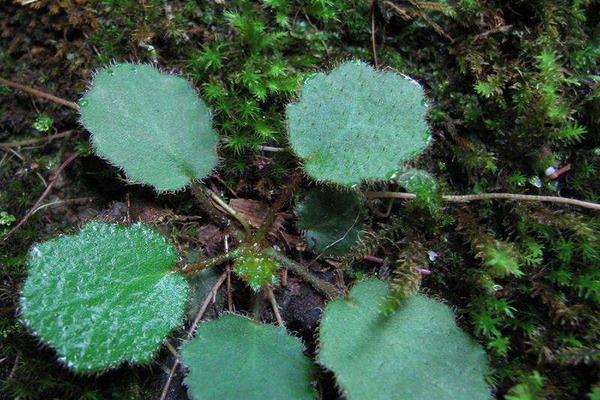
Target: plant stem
39,93
272,149
209,263
228,272
46,192
44,140
489,196
257,306
275,306
190,333
373,43
202,199
206,197
321,285
281,200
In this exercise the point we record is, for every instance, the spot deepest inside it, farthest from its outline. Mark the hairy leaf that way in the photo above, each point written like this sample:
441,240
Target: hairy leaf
420,183
331,220
417,181
236,358
104,296
255,267
417,353
357,124
150,124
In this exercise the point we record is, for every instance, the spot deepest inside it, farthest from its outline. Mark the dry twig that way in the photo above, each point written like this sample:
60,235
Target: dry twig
51,183
465,198
275,306
40,94
207,300
42,140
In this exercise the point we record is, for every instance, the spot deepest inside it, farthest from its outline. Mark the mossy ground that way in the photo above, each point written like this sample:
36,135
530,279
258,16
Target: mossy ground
514,89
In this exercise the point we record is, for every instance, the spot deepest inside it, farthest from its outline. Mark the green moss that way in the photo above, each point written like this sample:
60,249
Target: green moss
537,104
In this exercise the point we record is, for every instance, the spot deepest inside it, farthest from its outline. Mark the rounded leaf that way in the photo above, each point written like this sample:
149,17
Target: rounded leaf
421,183
357,124
417,353
104,296
417,181
236,358
150,124
331,220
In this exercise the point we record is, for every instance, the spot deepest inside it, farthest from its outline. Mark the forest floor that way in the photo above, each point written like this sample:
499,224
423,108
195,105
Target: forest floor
514,88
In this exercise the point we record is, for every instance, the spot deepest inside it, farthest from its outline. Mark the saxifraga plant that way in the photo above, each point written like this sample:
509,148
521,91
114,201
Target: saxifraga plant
111,294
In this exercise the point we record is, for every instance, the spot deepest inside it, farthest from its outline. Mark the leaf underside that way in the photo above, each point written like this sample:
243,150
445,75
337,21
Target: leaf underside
236,358
150,124
331,220
104,296
357,124
417,353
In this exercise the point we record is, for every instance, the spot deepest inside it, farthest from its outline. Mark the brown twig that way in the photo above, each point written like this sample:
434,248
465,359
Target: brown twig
402,13
228,271
209,263
13,370
272,149
489,196
220,203
39,93
233,192
281,200
66,201
321,285
39,201
373,44
204,202
44,140
559,172
172,349
275,306
229,289
500,29
374,259
210,296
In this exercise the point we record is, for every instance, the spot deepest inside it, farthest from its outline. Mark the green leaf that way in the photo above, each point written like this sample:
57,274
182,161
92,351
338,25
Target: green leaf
417,181
417,353
104,296
43,123
420,183
255,267
150,124
357,124
331,220
530,388
236,358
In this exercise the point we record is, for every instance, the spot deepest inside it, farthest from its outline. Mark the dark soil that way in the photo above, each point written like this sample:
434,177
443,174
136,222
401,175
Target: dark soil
486,138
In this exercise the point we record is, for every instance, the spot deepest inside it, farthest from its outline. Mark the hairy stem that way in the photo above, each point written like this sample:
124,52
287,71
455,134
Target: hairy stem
198,191
275,306
46,192
489,196
207,300
209,263
373,43
42,140
39,93
319,284
281,200
206,197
